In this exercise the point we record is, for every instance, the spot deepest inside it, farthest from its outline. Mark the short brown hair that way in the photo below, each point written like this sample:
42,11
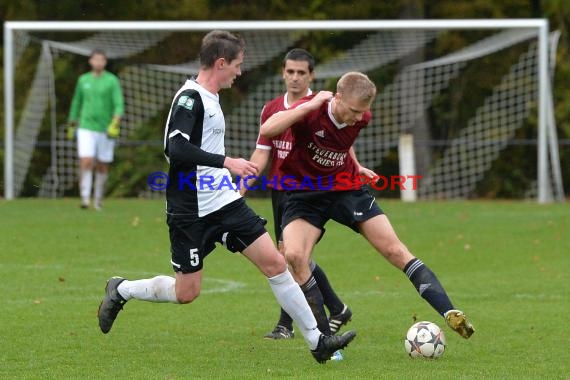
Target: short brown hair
220,44
357,85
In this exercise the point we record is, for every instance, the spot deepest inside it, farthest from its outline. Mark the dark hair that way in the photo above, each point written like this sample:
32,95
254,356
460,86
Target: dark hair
220,44
98,51
300,55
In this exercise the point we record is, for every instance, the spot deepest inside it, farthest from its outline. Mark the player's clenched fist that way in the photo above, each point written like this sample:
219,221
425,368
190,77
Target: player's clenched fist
320,98
240,166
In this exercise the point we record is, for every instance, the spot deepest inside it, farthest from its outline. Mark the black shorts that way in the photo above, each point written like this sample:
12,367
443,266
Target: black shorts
193,238
318,207
278,200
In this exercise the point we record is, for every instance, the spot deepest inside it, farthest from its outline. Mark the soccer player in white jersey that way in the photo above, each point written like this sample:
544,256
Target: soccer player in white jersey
197,215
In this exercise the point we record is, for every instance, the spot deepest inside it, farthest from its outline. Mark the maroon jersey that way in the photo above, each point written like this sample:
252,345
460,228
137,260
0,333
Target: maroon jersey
279,145
320,153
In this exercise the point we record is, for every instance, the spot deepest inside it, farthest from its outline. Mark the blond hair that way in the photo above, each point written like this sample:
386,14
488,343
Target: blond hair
356,85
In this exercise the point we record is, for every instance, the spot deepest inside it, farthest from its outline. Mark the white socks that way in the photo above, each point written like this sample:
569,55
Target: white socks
286,290
156,289
100,180
292,300
85,183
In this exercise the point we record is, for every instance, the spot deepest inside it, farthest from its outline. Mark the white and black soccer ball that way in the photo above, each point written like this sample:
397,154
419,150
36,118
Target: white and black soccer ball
425,340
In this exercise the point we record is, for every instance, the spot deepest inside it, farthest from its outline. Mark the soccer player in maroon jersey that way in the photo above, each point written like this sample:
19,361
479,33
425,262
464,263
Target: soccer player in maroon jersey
324,128
298,73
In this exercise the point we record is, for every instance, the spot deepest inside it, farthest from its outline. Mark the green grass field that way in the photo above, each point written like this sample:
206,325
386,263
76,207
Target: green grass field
505,263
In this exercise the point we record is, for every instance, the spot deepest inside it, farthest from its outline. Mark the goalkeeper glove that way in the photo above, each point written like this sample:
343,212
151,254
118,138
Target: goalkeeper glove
113,129
70,131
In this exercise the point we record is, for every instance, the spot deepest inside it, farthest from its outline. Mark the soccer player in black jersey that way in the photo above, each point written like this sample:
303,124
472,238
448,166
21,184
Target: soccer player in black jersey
197,214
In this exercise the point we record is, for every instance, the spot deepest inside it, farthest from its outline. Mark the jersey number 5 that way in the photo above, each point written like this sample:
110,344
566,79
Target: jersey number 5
194,257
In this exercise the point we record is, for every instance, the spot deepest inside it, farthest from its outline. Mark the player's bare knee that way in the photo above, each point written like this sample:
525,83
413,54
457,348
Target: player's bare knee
102,167
295,257
86,163
275,266
187,296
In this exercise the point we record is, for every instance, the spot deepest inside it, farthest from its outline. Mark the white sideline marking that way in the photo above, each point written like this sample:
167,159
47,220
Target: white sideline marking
224,286
538,296
210,285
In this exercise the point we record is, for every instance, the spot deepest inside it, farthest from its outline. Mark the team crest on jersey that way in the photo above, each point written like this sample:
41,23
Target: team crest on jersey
186,102
320,133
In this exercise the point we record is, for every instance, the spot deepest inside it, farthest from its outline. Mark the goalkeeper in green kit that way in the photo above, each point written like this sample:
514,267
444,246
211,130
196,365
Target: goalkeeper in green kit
95,117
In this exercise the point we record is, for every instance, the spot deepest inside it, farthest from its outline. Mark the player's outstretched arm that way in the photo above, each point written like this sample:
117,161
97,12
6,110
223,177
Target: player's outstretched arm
280,121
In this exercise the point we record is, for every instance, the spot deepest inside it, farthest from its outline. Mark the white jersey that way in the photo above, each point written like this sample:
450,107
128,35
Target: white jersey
195,187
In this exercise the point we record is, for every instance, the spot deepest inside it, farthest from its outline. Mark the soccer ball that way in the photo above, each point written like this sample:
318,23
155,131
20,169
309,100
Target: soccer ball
425,340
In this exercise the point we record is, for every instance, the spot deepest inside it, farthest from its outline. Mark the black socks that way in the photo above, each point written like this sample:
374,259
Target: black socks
427,285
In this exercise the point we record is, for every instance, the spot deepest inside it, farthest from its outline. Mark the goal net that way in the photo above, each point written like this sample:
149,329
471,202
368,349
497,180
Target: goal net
468,96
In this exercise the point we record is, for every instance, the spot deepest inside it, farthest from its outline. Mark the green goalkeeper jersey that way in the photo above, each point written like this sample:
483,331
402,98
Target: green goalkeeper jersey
96,100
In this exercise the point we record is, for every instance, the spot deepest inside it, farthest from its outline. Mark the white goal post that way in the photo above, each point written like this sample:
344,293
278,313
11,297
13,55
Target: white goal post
546,130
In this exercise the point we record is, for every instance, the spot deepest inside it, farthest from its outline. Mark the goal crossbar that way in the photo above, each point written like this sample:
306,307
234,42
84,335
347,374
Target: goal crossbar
540,25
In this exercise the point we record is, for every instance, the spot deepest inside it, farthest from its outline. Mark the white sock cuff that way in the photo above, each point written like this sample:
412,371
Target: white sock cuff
281,278
123,290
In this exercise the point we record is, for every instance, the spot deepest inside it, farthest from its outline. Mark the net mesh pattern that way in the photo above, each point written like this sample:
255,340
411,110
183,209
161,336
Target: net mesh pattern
407,95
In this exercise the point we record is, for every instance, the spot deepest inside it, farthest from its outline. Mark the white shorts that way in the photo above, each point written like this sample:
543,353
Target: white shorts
95,144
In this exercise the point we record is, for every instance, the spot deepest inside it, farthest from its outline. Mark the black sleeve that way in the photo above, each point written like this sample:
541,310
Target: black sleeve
185,133
180,149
